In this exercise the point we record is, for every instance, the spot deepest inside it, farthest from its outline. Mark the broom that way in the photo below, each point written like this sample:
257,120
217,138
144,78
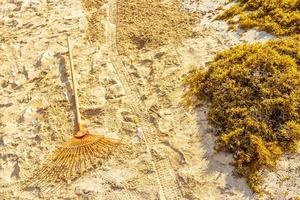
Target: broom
81,153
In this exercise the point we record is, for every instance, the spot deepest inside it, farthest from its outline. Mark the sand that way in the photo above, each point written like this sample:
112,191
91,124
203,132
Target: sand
121,96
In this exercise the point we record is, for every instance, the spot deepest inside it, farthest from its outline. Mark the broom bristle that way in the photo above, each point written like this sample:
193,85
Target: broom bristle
69,162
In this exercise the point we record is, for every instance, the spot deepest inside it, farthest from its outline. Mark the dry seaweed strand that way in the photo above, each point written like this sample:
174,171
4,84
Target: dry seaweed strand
254,96
280,17
83,152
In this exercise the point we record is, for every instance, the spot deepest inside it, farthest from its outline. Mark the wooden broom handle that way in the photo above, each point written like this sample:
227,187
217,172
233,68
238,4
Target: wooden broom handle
74,83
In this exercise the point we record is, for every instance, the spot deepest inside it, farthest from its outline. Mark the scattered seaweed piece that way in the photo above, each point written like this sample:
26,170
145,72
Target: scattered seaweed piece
254,97
280,17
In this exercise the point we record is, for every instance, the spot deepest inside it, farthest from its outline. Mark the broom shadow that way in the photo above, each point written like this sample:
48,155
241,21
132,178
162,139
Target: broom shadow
64,76
64,79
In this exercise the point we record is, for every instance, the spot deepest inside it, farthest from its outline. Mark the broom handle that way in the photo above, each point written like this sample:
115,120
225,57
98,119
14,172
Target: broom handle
74,83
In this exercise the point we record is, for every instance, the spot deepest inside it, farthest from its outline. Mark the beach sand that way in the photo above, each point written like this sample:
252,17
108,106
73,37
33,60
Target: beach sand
122,94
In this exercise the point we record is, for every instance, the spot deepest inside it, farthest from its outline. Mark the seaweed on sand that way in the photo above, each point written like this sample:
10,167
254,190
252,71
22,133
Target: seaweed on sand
254,97
280,17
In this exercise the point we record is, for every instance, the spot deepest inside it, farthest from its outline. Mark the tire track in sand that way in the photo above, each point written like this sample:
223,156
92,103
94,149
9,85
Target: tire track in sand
166,179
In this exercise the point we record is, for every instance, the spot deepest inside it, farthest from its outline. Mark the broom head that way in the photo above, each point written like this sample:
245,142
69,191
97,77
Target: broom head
72,160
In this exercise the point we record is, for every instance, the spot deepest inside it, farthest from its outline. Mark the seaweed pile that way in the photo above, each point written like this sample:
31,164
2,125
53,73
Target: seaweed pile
253,89
254,96
280,17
